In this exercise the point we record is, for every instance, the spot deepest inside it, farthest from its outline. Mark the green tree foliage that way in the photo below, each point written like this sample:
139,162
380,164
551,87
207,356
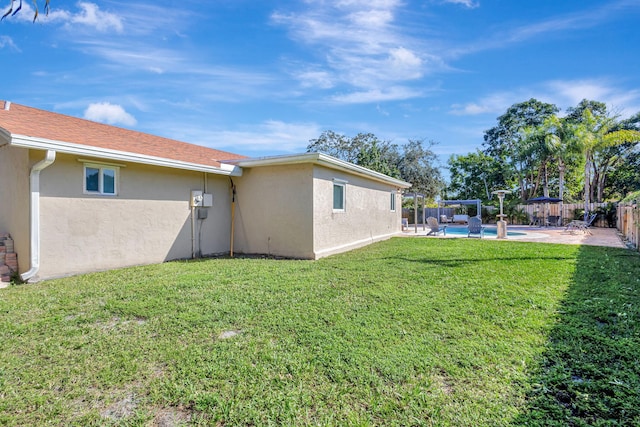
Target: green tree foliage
624,177
414,162
417,164
541,152
378,158
559,147
474,176
13,11
510,143
364,149
598,135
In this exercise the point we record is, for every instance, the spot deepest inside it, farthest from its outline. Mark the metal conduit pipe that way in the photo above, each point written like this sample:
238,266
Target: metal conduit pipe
34,187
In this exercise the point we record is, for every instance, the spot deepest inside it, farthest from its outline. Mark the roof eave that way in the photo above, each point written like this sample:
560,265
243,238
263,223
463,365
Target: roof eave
5,136
86,150
323,160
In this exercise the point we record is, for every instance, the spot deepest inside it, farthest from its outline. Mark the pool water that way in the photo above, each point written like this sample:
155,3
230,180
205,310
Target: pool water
491,231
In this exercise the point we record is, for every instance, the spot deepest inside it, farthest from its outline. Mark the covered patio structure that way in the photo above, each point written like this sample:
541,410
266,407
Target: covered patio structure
416,197
477,202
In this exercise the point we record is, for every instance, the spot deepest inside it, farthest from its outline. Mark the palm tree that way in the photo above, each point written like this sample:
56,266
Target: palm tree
595,133
562,144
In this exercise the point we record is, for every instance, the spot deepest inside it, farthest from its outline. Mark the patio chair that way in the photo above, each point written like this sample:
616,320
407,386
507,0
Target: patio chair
475,227
435,228
445,219
405,223
579,225
535,220
554,221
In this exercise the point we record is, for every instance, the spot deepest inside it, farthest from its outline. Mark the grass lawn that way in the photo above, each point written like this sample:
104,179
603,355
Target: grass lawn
442,332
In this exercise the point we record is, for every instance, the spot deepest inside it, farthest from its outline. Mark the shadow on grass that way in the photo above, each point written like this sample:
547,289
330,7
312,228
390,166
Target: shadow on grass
590,371
457,262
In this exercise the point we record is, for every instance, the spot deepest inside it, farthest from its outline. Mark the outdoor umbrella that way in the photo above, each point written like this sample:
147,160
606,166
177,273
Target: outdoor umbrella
544,200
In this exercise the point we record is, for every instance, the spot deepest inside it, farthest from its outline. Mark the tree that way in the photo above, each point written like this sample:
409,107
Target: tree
507,143
378,158
535,148
595,134
474,176
413,162
561,146
35,6
364,149
624,177
417,165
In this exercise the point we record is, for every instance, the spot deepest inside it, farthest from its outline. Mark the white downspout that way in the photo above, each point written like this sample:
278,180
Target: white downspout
34,185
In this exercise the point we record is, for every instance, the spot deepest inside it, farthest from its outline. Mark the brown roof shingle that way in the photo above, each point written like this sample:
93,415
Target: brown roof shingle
22,120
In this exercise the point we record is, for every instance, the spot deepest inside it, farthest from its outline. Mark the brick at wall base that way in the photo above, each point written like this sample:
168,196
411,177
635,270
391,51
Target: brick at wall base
9,264
11,259
5,273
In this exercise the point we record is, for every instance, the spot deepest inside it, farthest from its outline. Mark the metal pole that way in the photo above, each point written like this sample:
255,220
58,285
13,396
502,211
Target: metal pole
415,212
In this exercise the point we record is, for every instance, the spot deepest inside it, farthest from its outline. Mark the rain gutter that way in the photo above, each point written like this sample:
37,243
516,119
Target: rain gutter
34,186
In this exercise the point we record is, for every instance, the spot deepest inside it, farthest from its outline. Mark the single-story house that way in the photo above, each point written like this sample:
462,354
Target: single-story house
79,196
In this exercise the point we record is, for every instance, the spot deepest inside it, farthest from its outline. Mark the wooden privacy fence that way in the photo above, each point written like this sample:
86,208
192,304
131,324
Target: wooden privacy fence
567,214
408,213
629,223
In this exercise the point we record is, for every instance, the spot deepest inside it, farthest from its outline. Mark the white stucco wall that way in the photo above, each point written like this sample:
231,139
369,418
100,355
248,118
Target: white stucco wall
367,218
274,211
148,221
287,210
14,199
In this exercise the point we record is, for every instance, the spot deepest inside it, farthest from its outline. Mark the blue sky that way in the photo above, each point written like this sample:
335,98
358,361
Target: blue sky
264,77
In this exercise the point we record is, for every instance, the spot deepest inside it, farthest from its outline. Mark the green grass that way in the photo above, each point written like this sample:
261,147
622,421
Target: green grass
433,332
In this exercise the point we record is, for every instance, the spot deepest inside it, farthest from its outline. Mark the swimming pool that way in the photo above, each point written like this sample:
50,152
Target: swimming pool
488,231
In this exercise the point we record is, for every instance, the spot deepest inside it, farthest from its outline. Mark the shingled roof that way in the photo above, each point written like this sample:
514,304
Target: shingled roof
39,125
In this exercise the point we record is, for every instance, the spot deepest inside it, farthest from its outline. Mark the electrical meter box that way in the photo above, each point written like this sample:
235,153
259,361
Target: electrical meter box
196,198
200,199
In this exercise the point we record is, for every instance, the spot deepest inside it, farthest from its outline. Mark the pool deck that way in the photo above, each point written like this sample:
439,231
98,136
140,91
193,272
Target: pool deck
598,237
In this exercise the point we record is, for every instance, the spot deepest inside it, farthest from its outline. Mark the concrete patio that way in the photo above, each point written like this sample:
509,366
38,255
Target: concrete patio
598,237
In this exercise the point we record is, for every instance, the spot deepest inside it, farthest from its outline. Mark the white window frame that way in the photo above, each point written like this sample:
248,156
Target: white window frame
393,201
339,183
102,167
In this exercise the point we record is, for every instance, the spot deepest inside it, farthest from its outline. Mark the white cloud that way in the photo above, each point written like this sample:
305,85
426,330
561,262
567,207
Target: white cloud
574,91
6,41
468,3
112,114
318,79
92,16
470,109
371,18
269,137
378,4
405,63
25,14
382,111
359,44
493,104
563,93
568,93
378,95
589,18
134,56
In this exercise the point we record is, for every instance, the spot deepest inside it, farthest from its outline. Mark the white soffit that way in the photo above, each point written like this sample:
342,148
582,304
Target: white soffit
103,153
323,160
